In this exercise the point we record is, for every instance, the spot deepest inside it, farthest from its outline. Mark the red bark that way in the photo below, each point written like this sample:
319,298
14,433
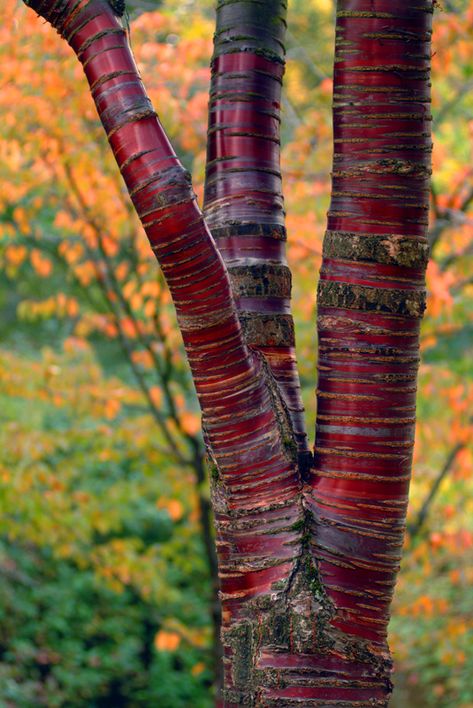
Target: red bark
307,563
371,299
244,205
224,369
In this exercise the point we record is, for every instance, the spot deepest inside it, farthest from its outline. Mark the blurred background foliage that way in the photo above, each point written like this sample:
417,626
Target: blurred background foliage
106,564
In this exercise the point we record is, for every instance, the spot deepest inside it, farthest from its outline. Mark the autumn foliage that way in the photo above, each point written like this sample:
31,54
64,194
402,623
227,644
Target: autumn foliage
101,477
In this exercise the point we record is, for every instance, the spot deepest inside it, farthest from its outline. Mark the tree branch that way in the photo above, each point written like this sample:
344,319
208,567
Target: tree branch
416,526
160,189
371,297
243,201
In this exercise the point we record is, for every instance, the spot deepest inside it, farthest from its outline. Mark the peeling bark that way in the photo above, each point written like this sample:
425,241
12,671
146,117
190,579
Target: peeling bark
243,204
307,556
370,301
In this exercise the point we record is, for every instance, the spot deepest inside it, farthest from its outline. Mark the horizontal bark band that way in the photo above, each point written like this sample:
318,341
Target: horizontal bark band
261,31
268,330
261,280
276,231
384,9
369,299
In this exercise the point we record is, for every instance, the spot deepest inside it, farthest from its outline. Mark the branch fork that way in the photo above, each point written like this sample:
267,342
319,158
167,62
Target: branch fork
308,548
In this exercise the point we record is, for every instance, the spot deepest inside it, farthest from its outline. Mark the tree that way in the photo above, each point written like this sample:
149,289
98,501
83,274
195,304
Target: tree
308,554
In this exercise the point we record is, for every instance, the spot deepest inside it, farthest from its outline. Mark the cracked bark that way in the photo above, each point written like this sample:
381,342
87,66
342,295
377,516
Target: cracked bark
307,558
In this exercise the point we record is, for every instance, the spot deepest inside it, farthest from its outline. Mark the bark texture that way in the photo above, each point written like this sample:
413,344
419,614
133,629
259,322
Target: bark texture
244,205
223,367
243,413
307,558
370,302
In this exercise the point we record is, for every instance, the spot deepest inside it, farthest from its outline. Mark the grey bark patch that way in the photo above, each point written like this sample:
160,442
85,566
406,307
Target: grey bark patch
267,330
408,303
385,248
261,280
275,231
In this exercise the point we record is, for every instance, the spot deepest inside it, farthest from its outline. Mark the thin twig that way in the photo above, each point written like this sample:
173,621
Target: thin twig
420,520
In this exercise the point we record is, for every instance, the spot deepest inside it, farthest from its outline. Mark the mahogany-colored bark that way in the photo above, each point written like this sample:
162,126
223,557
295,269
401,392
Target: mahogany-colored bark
307,562
370,302
244,205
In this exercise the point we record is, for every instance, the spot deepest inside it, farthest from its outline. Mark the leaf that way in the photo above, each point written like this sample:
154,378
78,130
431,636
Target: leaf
167,641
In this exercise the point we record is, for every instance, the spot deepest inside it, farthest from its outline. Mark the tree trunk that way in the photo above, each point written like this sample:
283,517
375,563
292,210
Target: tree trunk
244,205
307,558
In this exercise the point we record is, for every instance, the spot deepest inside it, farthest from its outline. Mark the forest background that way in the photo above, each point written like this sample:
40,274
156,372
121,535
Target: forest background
105,548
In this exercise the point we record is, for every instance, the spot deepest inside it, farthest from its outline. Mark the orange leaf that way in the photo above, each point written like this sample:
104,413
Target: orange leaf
167,641
15,254
175,509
